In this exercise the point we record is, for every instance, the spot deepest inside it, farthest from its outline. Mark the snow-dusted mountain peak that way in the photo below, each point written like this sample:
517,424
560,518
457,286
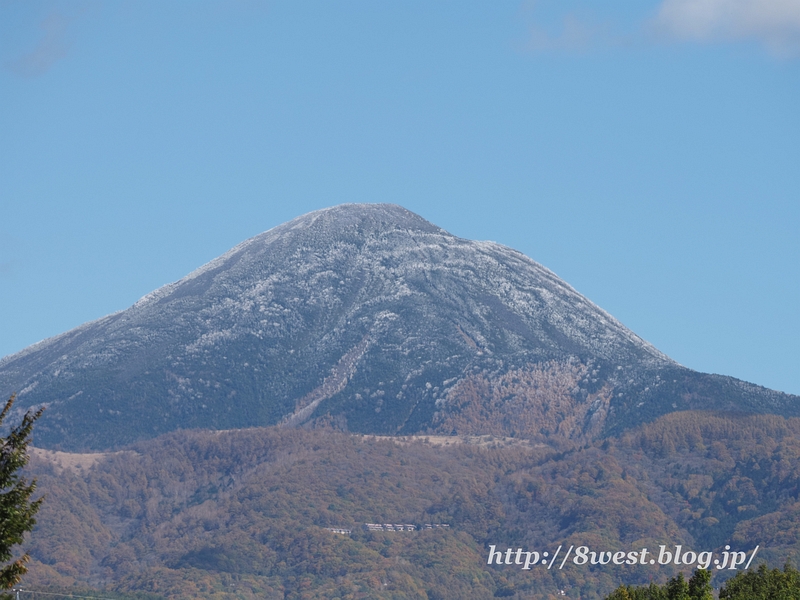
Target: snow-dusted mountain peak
362,316
369,216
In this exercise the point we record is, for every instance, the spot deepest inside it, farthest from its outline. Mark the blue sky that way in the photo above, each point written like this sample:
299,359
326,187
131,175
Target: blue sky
647,152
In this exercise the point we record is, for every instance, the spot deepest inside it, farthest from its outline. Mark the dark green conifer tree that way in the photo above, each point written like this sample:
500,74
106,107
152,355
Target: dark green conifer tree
763,584
700,585
677,588
16,508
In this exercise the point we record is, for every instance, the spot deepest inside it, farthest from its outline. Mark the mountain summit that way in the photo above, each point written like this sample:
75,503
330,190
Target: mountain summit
367,318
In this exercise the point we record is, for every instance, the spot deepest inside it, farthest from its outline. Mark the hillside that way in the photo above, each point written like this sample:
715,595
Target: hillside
243,514
369,319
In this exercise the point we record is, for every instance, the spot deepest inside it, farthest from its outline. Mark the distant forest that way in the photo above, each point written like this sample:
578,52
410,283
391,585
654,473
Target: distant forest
243,514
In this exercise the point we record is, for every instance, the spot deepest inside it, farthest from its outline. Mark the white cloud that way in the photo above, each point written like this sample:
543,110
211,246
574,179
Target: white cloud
576,34
776,23
51,48
570,27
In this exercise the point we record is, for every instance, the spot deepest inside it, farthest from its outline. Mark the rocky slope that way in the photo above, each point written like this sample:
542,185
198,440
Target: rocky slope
366,318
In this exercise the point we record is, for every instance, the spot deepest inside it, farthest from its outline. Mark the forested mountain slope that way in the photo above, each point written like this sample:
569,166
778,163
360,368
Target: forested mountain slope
243,514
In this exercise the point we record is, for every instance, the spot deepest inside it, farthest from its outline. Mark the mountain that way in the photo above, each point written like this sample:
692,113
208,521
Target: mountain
365,318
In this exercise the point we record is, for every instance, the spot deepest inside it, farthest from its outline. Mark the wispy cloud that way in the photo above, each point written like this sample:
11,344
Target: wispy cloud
573,27
575,34
775,23
52,47
567,27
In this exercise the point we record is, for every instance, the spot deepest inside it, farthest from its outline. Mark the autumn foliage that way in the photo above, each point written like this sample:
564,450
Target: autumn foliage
243,514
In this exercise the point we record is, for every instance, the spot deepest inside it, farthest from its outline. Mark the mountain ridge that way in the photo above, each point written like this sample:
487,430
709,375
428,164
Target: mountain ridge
394,313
